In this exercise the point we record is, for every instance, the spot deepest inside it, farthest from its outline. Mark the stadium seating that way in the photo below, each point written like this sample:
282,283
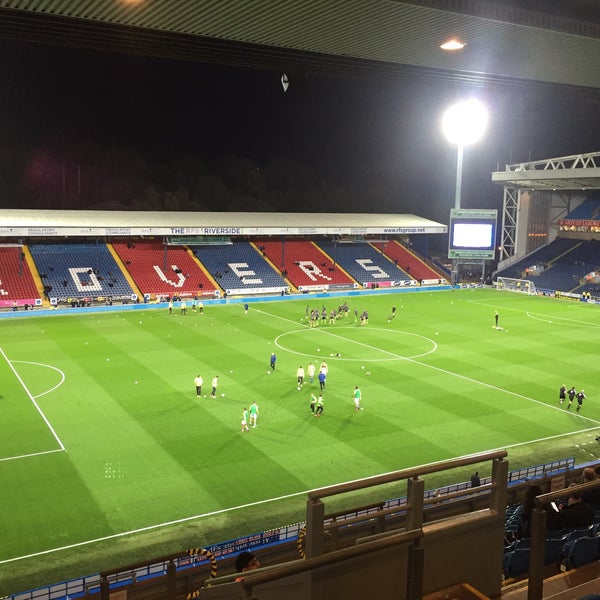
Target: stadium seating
238,266
409,262
516,562
306,265
16,281
565,261
362,262
579,552
160,270
79,271
568,270
541,256
587,210
553,548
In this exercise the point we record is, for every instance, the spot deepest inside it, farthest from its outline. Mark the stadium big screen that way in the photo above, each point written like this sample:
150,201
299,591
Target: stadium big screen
472,233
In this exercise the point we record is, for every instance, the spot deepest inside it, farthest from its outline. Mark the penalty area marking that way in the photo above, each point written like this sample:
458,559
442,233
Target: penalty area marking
44,418
62,375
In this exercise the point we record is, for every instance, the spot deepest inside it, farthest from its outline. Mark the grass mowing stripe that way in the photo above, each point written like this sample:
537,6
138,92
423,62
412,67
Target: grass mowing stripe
150,452
447,372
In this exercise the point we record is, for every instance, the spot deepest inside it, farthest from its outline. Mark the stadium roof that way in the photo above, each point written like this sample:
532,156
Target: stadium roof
508,42
16,223
577,172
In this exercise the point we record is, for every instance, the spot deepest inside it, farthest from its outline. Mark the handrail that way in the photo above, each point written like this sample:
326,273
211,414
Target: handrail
358,484
260,576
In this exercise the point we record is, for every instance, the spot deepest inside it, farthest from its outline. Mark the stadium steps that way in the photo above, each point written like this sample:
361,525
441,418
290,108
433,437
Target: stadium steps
37,280
124,271
203,268
461,591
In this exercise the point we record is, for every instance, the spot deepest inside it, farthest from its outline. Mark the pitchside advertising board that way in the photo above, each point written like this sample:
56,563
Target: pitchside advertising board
472,233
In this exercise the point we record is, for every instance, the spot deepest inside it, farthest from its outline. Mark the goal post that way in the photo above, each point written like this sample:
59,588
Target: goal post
522,286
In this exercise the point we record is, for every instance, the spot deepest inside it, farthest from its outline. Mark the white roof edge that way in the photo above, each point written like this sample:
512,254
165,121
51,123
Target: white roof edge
31,223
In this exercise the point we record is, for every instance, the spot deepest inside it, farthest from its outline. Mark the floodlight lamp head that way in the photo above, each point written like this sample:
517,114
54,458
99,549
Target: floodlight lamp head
464,123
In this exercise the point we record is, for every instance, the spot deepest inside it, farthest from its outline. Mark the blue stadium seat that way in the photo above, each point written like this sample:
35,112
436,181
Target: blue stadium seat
518,544
552,550
516,563
579,552
579,532
587,210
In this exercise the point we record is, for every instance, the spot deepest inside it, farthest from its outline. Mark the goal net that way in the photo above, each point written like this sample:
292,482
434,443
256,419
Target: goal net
523,286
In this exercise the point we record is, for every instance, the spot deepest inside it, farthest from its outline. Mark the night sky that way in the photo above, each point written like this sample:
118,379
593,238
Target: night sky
349,132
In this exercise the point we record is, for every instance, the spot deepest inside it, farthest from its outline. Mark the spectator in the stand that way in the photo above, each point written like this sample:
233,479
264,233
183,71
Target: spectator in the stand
475,480
527,507
592,497
576,513
246,561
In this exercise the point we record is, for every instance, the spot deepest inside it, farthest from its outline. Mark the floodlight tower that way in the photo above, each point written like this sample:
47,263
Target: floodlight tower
463,123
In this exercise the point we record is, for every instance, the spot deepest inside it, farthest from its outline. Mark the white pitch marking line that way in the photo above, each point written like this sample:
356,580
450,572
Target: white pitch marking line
33,400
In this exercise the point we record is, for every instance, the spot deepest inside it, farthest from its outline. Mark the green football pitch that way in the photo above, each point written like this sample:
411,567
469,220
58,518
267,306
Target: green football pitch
108,456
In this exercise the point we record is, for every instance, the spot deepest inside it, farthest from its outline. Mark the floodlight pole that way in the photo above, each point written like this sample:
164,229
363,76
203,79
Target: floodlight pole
459,169
457,198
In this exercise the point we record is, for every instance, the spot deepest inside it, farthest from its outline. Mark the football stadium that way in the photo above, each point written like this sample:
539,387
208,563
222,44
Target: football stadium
117,455
328,403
